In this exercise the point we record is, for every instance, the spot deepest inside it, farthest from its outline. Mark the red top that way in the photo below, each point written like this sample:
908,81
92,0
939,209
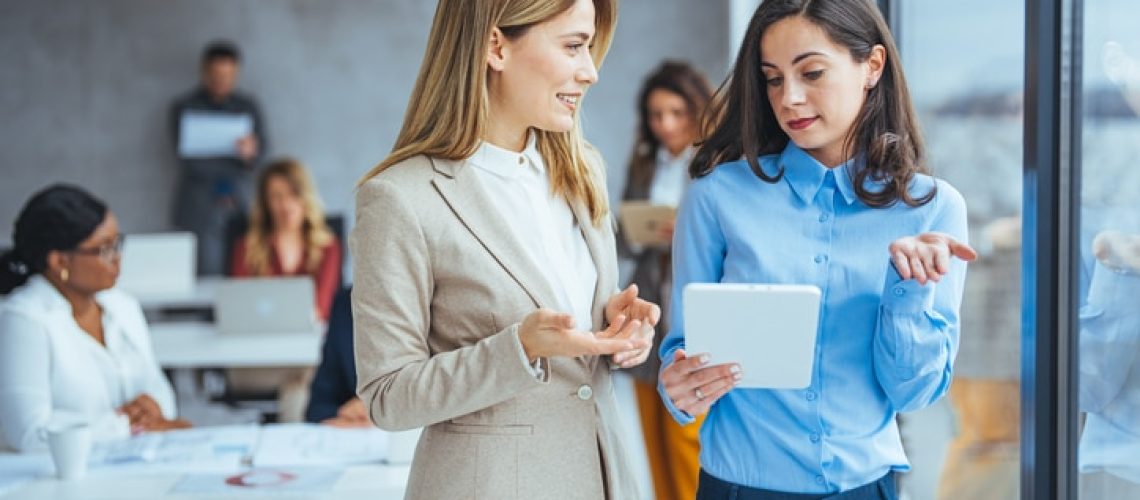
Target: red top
326,277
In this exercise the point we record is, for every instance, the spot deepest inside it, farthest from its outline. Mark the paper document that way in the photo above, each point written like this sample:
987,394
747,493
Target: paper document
206,448
210,134
313,444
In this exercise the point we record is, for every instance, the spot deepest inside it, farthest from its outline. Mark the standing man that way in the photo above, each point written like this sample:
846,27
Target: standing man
215,181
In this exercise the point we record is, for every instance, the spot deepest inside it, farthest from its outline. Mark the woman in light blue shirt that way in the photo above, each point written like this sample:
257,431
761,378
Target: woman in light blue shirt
814,173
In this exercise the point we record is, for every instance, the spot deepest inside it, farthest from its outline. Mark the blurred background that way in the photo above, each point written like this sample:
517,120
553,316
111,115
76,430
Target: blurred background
86,88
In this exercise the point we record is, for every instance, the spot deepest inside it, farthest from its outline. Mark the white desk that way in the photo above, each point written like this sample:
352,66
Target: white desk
373,482
199,345
200,460
201,296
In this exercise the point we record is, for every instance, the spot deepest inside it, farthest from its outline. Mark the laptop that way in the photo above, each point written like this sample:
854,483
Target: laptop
158,264
770,330
266,306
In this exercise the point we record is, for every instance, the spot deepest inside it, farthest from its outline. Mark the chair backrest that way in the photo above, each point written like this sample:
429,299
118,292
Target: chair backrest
238,224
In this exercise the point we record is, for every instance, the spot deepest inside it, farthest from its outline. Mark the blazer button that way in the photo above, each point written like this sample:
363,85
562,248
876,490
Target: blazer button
585,392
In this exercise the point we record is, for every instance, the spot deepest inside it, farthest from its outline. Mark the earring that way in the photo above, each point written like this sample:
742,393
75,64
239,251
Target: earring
63,275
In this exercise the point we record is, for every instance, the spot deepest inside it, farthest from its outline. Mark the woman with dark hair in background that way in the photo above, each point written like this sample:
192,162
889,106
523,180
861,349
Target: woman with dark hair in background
814,174
670,105
71,346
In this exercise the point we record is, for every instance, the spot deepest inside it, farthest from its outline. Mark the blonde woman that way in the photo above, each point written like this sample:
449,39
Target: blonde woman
287,233
287,236
484,289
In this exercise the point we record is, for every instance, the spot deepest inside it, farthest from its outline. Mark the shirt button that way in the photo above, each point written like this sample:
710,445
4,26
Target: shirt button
823,217
820,258
811,395
899,292
521,160
819,479
585,392
815,438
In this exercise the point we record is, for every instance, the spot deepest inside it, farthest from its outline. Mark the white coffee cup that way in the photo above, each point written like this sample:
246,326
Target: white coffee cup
70,445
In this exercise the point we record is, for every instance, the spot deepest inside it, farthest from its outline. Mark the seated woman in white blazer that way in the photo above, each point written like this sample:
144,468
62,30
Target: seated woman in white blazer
70,346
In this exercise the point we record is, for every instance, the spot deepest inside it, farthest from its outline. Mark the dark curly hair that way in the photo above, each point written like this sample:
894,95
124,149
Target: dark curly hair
59,217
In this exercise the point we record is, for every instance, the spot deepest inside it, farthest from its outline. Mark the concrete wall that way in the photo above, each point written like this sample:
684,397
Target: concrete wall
85,86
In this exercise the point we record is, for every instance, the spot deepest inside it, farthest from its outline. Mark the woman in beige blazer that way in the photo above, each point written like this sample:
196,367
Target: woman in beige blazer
485,303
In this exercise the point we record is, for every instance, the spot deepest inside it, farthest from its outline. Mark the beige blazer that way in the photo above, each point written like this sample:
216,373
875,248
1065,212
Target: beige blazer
440,288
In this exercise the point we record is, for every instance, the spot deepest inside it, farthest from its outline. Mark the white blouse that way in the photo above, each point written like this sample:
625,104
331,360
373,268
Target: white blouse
671,177
542,223
50,368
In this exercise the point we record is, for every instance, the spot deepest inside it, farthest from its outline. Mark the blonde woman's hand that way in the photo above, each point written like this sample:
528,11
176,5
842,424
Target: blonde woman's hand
627,304
926,257
694,386
545,333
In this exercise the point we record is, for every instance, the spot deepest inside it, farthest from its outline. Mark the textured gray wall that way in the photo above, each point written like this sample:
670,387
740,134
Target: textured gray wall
85,86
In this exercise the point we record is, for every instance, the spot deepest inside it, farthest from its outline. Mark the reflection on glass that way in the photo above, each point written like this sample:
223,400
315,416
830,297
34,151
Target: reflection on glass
968,91
1109,284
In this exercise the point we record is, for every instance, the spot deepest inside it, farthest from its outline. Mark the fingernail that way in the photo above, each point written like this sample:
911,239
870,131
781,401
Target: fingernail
734,369
737,377
703,359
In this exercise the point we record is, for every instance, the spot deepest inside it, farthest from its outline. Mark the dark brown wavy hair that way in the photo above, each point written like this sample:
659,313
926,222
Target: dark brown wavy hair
885,133
679,78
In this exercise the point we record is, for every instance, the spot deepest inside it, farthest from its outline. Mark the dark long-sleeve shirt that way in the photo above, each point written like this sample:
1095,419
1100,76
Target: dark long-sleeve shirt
335,381
204,180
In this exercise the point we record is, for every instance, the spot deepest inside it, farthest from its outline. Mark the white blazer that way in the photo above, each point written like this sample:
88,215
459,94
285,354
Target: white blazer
52,369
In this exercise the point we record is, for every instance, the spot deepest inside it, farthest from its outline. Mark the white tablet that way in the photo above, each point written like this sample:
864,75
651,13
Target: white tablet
770,330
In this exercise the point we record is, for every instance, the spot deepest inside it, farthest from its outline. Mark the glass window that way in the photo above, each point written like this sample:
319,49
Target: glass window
1109,275
968,90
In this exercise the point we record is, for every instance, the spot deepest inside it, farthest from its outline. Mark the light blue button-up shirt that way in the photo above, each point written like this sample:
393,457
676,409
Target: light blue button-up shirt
884,345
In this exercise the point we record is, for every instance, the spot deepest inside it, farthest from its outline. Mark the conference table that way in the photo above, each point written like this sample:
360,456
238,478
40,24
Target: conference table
300,461
199,344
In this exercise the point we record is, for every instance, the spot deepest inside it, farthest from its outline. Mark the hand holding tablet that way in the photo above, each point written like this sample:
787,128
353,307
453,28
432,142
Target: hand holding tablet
768,330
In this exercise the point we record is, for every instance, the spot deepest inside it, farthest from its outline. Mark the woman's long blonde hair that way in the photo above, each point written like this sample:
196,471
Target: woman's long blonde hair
447,113
314,230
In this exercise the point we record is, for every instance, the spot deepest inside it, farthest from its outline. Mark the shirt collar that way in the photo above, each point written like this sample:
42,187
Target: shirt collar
505,163
664,157
54,300
806,175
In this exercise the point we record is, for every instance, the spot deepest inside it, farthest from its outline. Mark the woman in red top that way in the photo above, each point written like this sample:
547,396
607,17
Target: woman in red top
287,233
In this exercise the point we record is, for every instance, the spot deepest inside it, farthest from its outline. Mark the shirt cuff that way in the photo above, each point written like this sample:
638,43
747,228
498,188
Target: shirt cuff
1113,285
906,296
681,417
538,368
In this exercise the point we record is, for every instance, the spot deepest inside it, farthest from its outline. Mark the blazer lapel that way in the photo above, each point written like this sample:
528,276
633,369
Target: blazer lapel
472,205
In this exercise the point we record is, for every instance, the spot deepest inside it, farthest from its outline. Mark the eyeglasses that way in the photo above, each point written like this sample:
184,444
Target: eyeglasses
107,251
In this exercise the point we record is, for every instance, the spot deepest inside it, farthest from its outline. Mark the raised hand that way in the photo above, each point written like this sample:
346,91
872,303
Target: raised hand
926,257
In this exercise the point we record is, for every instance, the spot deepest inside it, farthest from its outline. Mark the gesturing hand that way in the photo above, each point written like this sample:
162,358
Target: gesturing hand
546,333
926,257
627,304
693,386
1117,250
